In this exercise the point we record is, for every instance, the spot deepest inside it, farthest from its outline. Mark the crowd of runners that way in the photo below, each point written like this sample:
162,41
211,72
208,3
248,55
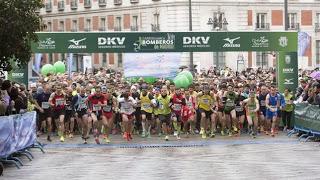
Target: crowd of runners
103,103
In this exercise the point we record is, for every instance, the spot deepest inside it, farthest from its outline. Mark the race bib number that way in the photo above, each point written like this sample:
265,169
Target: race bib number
45,105
205,101
262,103
239,108
177,107
185,113
82,106
229,103
59,102
69,108
251,108
190,105
161,106
107,108
96,107
146,106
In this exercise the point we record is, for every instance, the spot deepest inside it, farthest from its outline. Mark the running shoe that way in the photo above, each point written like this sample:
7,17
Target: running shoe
148,135
166,138
61,139
204,136
130,136
212,134
196,131
85,141
49,139
266,132
175,133
235,129
159,134
201,131
230,133
222,133
125,135
70,135
143,134
272,133
97,140
107,140
178,137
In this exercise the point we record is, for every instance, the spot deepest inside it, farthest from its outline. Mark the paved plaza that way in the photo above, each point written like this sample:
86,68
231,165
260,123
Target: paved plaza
193,158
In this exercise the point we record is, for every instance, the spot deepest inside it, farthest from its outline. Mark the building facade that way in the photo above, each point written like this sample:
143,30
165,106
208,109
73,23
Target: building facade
173,15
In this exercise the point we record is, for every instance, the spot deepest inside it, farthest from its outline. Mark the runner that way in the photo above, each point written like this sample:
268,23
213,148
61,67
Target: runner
252,109
287,110
176,111
70,112
57,101
127,110
81,107
263,110
205,102
188,112
229,110
221,102
146,111
163,106
96,102
107,113
240,110
272,104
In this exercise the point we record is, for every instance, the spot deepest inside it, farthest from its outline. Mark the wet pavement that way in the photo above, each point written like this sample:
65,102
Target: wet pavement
190,158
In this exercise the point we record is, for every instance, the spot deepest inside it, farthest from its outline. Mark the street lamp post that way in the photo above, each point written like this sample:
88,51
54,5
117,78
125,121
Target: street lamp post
217,25
190,29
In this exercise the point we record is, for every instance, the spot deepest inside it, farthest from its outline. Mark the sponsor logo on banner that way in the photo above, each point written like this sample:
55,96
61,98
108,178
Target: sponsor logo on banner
260,42
288,81
283,41
288,59
196,41
76,44
155,43
17,75
111,42
288,70
231,43
48,43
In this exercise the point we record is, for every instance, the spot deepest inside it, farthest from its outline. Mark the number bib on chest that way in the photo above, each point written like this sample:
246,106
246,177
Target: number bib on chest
263,103
107,108
59,102
177,107
96,107
45,105
146,106
239,108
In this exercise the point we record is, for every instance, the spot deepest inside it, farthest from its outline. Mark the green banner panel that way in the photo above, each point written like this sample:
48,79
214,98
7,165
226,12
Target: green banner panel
19,75
103,42
287,71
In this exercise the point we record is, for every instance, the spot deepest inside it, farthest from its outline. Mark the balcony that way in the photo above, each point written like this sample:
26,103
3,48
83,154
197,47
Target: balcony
37,10
60,29
155,27
87,29
87,3
317,27
262,26
74,4
48,7
294,26
134,28
74,30
61,6
102,3
117,28
134,1
102,28
117,2
155,0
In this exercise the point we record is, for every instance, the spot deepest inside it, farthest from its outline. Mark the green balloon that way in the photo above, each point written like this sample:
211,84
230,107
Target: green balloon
188,74
150,80
47,68
60,67
181,82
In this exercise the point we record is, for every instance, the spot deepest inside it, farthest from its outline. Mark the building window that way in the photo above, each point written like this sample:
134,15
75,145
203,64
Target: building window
318,52
219,59
104,59
261,21
262,60
292,21
102,24
88,25
118,24
49,27
317,25
61,26
74,25
156,26
134,26
119,60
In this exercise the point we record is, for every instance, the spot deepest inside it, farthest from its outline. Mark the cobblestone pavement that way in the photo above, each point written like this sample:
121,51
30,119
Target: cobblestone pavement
190,158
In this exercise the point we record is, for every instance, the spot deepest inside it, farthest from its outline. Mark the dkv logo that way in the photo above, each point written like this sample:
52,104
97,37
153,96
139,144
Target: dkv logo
231,43
196,40
76,44
109,42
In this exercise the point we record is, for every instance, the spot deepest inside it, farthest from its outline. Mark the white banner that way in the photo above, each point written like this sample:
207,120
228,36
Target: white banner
160,65
87,63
